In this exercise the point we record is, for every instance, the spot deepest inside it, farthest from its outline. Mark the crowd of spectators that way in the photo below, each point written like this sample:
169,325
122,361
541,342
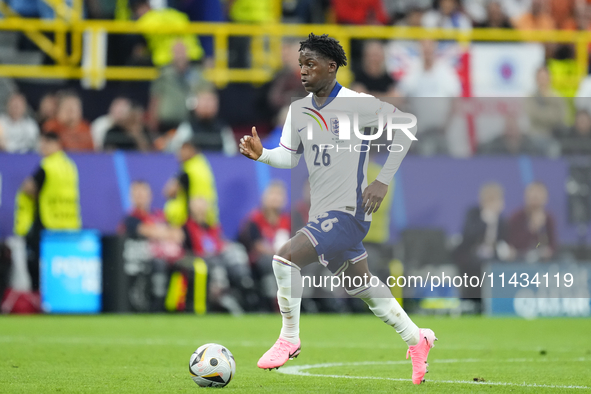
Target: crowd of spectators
183,104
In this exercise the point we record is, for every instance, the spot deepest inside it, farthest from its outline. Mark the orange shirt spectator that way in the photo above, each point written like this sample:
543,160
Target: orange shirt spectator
68,123
563,12
360,12
538,19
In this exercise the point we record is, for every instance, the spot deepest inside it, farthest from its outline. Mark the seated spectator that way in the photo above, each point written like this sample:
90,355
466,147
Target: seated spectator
205,128
432,78
359,12
129,133
447,16
264,232
537,18
496,18
514,141
73,130
169,94
547,110
18,131
475,10
228,268
162,243
144,222
118,112
578,140
532,232
161,45
413,17
563,13
286,84
515,9
484,234
47,108
372,78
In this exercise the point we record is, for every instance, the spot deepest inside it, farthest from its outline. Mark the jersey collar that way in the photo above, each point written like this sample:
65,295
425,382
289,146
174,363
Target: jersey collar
331,96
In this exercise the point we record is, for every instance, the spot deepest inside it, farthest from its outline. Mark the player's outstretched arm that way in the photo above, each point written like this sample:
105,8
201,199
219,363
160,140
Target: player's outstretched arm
280,157
251,146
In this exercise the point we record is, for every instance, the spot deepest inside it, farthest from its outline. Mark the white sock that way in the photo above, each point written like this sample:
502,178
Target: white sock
287,273
384,305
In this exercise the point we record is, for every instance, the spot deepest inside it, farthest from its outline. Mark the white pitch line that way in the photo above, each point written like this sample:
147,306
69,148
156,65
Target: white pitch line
183,342
300,370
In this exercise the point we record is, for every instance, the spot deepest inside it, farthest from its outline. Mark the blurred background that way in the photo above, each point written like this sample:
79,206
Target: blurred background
148,100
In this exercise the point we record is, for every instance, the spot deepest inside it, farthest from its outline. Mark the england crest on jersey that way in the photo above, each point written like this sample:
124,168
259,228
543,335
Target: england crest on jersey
334,126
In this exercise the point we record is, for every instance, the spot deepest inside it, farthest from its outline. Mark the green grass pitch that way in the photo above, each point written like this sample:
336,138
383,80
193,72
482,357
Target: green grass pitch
340,354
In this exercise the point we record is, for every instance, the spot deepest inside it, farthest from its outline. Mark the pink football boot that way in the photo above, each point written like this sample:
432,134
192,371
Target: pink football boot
418,354
278,355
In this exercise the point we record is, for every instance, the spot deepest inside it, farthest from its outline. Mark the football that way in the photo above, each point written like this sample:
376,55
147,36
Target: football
212,365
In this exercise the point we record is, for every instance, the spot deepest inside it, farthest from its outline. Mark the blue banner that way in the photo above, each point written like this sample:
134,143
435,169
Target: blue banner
71,272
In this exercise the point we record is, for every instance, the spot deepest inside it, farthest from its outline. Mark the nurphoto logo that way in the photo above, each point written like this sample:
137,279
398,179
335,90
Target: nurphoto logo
340,126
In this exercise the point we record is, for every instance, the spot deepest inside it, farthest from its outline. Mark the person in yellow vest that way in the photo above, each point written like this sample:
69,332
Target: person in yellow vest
194,180
50,197
259,12
160,45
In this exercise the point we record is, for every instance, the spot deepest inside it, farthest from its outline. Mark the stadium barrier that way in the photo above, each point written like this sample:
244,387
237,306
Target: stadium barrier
266,46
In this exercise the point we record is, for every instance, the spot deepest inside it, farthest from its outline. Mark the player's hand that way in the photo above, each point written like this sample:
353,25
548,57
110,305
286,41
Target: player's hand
373,195
251,147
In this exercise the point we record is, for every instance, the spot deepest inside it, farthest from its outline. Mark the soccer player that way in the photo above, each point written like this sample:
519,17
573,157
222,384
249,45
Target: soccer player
341,200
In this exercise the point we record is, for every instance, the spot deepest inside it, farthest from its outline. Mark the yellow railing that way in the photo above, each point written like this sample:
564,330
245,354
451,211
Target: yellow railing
266,45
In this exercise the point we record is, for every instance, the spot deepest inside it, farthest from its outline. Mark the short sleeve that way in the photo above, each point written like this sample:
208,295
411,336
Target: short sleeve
290,136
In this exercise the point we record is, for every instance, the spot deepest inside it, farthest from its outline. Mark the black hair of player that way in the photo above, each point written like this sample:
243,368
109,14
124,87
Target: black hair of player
325,46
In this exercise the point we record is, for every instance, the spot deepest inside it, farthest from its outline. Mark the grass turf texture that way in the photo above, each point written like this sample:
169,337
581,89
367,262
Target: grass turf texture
150,354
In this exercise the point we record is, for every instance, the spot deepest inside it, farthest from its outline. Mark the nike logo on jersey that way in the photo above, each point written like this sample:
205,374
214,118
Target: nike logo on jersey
301,129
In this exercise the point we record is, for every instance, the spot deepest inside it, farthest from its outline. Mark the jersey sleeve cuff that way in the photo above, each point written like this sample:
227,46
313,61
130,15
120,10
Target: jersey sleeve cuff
264,157
289,149
383,179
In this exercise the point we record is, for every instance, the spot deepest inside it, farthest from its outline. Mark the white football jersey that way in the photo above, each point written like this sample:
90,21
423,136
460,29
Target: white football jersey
337,167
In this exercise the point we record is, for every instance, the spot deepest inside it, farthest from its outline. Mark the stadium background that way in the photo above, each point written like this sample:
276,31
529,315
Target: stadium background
101,50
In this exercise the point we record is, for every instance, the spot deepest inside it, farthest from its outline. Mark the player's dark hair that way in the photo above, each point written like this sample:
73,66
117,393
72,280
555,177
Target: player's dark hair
325,46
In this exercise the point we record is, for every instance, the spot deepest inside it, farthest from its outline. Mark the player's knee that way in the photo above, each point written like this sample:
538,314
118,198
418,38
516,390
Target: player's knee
285,251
